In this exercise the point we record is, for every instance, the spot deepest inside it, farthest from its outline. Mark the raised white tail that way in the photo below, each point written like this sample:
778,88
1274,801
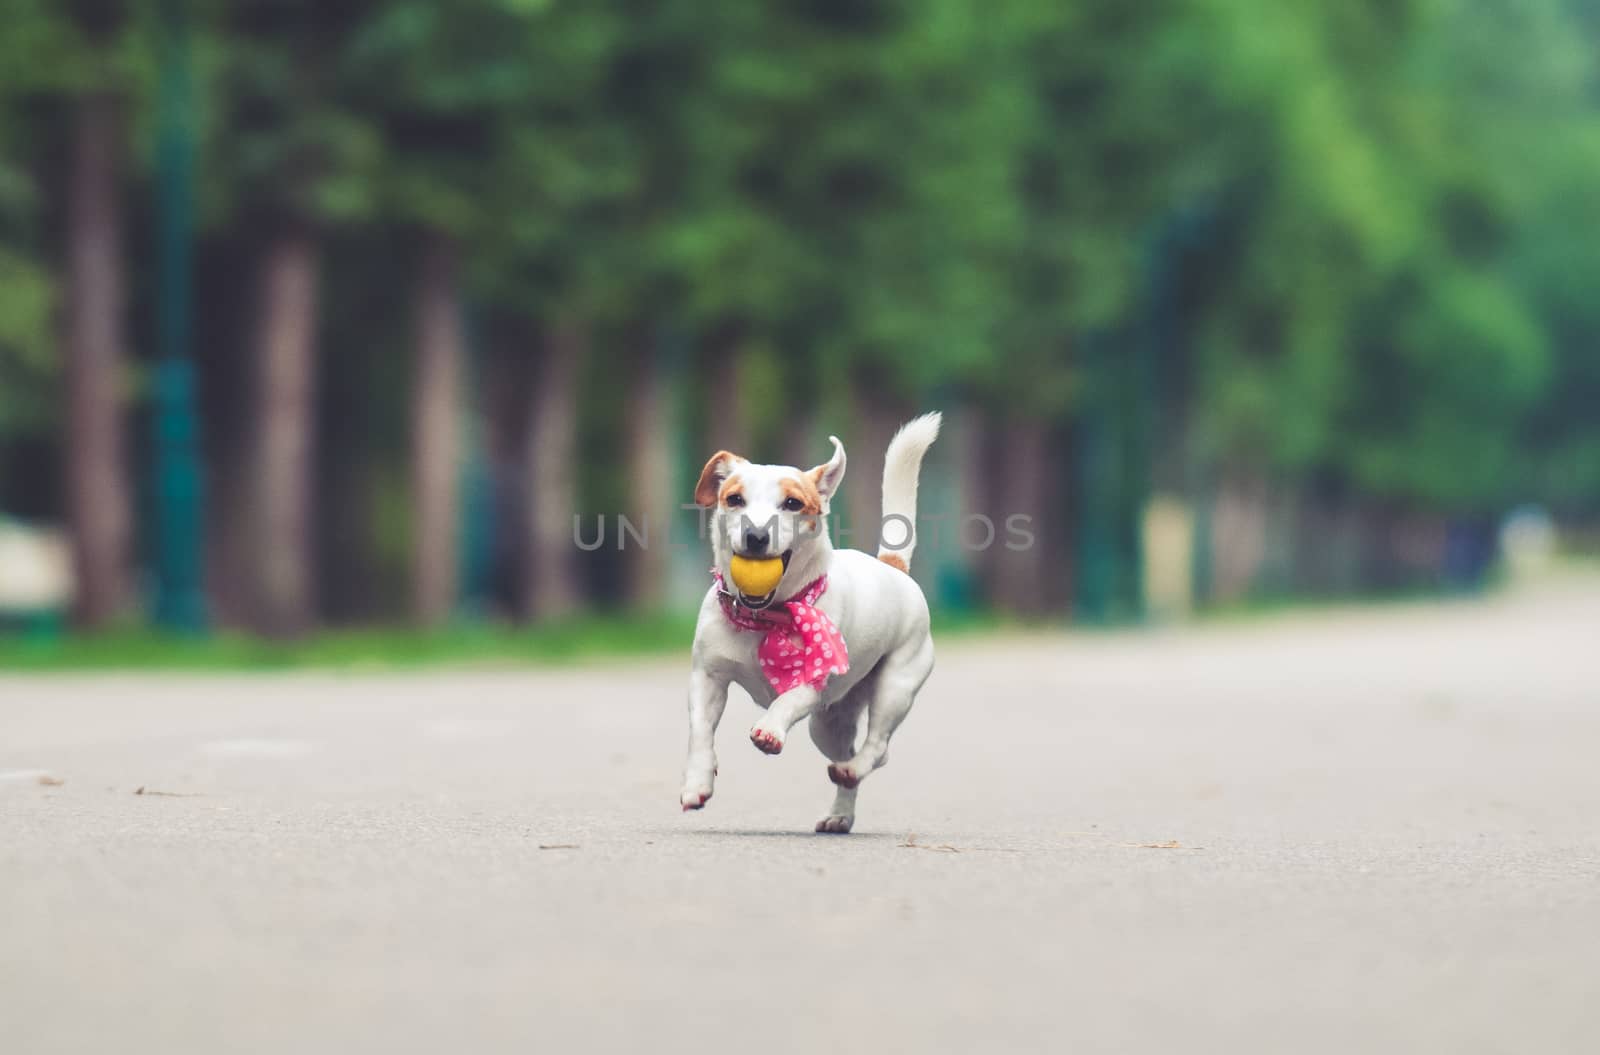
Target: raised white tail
901,465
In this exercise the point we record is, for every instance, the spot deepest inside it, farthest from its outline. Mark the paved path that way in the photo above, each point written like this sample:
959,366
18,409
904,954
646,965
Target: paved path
1364,831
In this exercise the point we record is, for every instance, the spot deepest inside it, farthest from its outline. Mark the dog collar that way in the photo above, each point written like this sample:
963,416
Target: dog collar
774,613
801,646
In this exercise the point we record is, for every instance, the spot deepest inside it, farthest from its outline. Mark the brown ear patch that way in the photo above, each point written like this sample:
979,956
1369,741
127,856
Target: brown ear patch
803,488
712,477
895,561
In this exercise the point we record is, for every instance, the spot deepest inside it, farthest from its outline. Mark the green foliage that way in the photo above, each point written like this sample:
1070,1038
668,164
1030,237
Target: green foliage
27,346
49,51
27,289
1387,309
1394,288
1437,420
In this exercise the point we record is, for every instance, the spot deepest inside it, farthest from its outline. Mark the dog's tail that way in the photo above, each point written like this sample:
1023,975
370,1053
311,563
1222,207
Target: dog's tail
901,464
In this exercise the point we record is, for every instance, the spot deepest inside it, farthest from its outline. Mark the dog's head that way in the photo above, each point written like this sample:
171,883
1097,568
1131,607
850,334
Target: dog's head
770,511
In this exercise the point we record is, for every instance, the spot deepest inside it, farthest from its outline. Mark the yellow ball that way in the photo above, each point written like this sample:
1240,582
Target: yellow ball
756,578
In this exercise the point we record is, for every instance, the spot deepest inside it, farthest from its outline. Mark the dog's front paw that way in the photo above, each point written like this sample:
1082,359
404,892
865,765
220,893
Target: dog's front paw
693,798
766,740
836,823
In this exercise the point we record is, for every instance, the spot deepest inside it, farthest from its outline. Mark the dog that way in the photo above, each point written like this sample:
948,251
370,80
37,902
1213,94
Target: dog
841,635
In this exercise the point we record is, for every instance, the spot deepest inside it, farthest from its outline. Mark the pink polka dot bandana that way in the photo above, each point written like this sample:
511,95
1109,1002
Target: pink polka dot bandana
801,647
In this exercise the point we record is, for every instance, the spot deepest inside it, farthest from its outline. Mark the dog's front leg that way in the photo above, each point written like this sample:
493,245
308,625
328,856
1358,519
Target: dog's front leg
708,696
771,731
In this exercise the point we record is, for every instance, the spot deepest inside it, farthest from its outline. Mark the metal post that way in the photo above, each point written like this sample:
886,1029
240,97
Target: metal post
1095,583
179,599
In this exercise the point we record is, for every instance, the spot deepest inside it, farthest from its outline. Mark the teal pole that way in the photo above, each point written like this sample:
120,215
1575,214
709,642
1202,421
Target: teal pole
1098,488
954,590
179,599
688,559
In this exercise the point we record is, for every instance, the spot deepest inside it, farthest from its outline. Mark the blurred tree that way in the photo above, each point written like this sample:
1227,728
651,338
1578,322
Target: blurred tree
552,463
29,364
86,36
1103,141
437,392
1534,126
836,210
845,177
291,156
556,258
429,77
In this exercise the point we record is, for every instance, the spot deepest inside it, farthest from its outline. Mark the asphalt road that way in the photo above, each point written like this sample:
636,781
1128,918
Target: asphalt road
1373,831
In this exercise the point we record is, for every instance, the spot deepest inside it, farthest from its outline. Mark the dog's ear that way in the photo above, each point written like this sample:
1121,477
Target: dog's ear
711,477
830,474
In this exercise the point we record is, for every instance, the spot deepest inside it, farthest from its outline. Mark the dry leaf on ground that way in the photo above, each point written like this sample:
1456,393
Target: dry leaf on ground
1170,844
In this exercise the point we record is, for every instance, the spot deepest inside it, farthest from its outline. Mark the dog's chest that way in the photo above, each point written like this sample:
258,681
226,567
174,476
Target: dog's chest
738,657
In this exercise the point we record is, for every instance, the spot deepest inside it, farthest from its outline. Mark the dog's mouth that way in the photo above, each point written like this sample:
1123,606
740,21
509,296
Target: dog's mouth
766,600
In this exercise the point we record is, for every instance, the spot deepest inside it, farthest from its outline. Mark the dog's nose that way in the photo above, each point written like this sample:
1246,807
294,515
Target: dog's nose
756,541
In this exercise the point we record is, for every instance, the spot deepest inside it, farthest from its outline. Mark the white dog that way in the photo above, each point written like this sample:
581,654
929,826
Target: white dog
842,633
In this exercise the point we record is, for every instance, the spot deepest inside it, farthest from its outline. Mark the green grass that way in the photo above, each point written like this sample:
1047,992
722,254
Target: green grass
473,645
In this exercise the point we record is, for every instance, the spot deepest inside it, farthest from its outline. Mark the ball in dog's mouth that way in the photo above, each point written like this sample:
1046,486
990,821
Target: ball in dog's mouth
757,578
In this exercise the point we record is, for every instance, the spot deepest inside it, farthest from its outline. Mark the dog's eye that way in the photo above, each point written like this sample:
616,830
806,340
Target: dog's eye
734,501
793,505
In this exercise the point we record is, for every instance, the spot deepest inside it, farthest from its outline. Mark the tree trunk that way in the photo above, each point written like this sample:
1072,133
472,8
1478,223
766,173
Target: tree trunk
507,372
875,421
224,400
98,493
1238,534
436,441
803,445
551,453
1054,532
801,439
282,596
649,479
979,456
728,416
1021,567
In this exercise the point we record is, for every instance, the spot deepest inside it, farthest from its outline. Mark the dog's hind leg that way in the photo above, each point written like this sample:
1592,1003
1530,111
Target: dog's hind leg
899,677
833,730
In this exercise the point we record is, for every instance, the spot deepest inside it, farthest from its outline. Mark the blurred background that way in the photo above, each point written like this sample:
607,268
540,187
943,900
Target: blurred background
317,316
